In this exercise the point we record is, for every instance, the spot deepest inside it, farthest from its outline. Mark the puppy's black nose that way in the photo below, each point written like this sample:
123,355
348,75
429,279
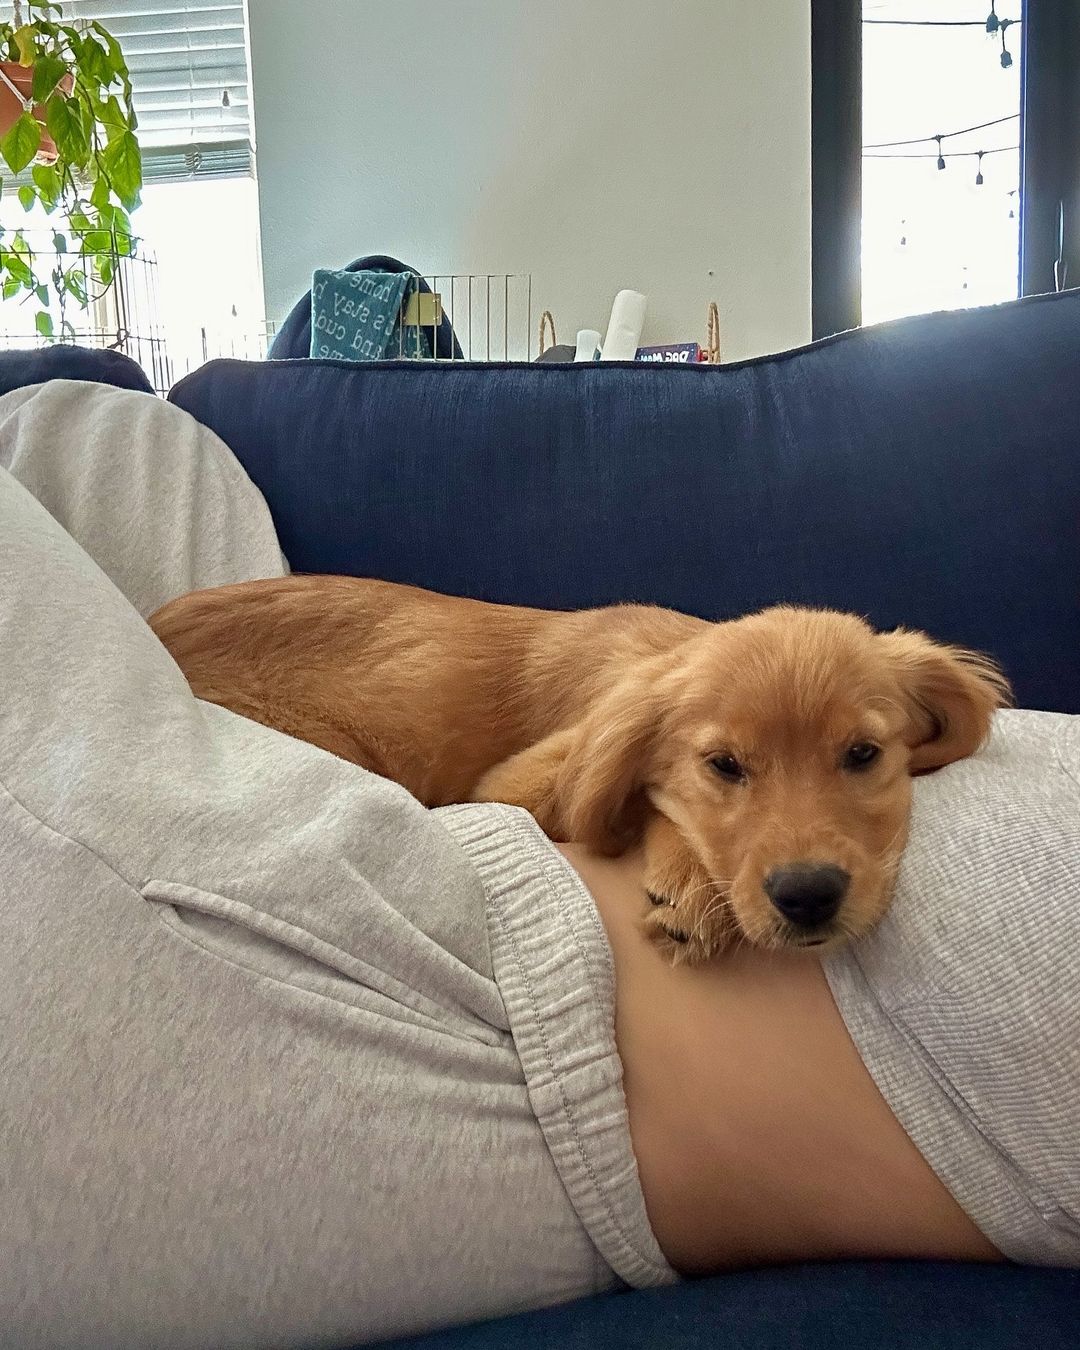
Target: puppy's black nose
807,894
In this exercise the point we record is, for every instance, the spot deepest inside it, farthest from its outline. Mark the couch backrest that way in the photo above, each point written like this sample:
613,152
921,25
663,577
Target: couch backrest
36,365
925,472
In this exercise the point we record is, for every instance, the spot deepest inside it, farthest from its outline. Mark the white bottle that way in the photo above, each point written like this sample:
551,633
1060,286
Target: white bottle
588,340
624,327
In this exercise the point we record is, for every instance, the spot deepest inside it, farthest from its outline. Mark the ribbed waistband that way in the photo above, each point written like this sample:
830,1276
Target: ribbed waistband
554,969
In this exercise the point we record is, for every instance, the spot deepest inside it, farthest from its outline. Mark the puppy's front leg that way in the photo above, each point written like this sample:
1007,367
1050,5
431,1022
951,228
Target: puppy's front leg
687,916
530,779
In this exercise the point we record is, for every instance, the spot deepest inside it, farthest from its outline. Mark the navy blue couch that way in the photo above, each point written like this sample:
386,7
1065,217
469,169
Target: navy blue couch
926,472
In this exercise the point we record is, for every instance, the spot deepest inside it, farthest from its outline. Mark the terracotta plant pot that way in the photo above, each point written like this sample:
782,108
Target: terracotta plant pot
11,108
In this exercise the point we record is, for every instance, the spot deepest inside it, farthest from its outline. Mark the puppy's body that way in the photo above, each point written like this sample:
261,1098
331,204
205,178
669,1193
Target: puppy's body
765,762
429,690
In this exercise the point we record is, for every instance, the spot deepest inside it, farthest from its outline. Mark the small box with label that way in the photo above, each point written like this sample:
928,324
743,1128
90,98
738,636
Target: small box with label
682,353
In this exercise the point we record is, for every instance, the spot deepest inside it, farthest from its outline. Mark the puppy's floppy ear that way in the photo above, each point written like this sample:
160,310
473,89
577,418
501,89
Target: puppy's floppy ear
950,695
600,790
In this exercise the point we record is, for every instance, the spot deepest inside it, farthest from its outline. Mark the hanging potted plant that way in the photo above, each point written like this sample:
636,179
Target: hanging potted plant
67,129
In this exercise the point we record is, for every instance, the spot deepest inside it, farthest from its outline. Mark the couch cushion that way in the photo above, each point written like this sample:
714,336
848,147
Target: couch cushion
898,1305
62,362
925,472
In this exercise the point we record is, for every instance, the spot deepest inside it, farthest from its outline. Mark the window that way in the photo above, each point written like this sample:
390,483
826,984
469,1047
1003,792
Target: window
199,218
195,290
206,276
189,74
906,236
940,220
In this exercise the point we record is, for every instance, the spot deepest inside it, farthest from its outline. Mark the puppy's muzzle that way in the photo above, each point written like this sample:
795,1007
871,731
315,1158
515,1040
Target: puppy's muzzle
808,895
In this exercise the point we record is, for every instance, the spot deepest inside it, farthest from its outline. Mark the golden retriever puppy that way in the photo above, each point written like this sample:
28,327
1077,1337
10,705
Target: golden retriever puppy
764,763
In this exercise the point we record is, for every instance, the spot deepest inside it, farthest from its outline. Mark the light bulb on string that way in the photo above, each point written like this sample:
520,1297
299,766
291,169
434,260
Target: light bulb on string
940,156
993,23
979,180
1006,55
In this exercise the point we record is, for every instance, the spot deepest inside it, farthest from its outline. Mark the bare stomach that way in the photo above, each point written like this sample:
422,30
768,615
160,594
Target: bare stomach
759,1134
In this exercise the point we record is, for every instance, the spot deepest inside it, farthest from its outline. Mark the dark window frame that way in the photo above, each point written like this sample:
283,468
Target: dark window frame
836,165
1049,163
1050,144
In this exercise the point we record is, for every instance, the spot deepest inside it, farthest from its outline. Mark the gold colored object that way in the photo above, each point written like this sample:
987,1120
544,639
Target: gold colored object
423,310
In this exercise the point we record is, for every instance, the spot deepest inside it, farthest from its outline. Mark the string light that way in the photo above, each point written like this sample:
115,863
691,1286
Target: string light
941,23
945,135
1006,55
939,154
992,24
953,154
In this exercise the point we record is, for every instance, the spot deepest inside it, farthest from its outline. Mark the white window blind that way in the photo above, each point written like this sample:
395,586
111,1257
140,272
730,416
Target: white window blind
189,77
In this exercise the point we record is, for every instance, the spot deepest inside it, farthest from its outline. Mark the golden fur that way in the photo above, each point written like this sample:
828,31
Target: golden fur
613,725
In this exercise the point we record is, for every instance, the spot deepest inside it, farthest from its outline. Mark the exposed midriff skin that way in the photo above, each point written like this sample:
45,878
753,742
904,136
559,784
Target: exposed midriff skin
759,1134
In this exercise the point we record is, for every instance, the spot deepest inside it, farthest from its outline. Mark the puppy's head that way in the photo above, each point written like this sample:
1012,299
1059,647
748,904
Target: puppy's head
782,748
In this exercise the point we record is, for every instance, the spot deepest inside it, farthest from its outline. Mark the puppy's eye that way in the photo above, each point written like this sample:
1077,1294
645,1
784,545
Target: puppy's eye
861,755
728,767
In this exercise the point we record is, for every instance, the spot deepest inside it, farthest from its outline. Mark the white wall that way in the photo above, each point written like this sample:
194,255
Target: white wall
662,145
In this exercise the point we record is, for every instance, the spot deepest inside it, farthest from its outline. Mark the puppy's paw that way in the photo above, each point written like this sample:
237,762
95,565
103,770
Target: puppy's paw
530,779
662,928
685,937
688,916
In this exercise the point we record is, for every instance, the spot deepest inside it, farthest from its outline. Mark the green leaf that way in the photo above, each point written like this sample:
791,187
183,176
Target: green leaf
75,282
59,242
43,323
100,196
78,219
11,288
96,61
20,245
97,241
49,183
112,117
123,161
106,270
63,117
28,197
19,270
116,56
112,217
21,143
42,293
25,40
48,71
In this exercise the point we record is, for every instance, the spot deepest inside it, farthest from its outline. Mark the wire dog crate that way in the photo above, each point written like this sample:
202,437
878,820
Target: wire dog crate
491,315
122,316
